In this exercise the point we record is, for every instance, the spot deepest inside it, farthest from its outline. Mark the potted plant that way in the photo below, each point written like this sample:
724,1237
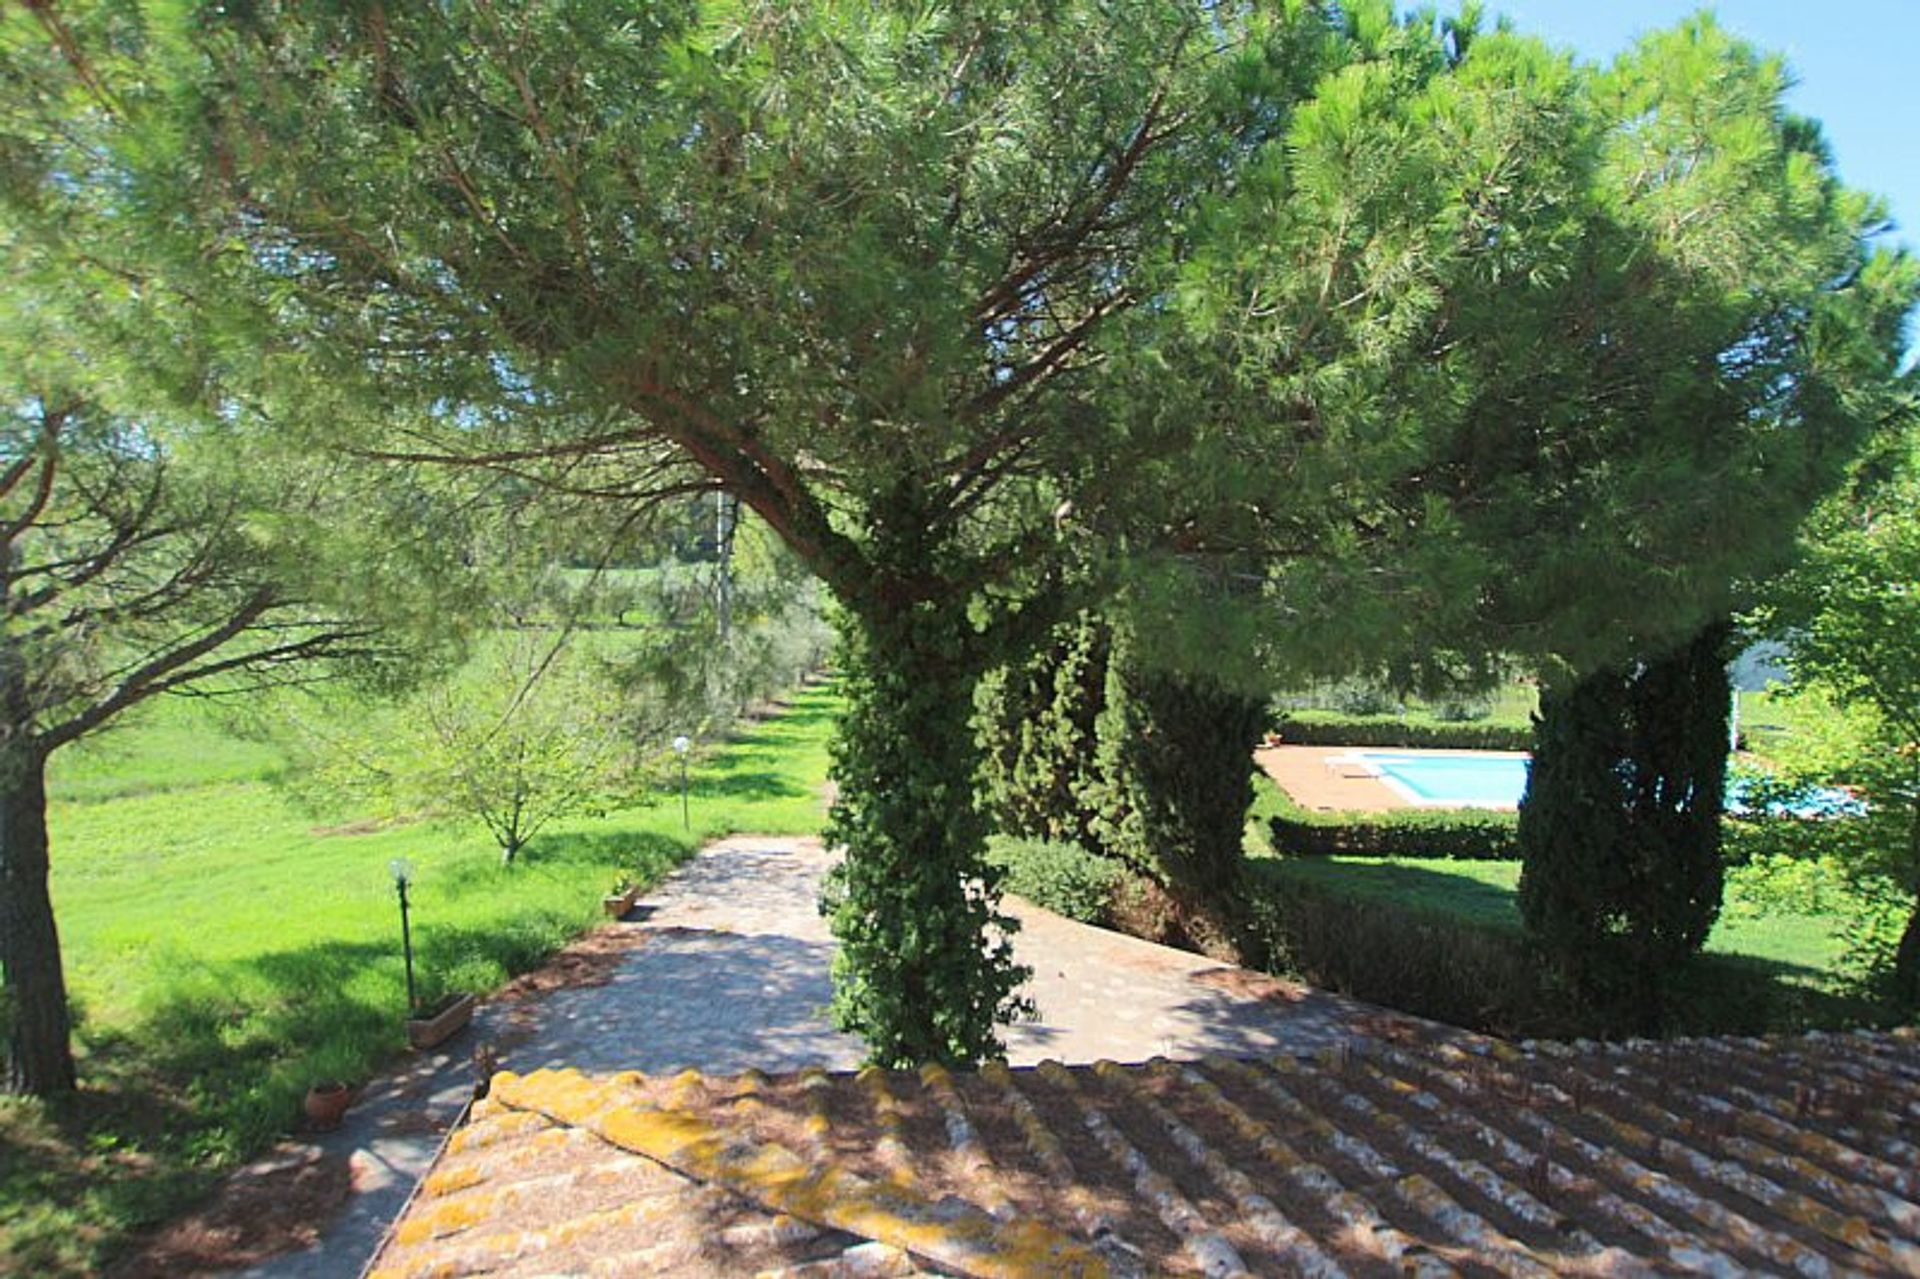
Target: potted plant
435,1021
619,900
326,1102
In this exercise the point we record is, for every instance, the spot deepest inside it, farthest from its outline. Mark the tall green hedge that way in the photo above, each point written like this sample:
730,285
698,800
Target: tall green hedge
1175,780
1620,825
1036,722
1330,728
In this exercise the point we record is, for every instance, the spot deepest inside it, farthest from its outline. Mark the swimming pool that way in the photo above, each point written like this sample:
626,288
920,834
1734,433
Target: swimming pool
1451,781
1485,780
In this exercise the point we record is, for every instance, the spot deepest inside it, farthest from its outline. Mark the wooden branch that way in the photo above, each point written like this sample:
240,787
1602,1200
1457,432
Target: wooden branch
999,300
1048,361
182,665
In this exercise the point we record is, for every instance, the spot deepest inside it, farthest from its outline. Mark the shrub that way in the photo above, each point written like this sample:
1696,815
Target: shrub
1461,834
1328,728
1175,779
1064,878
1035,722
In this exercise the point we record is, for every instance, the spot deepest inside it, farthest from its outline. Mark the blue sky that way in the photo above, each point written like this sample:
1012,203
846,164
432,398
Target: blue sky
1857,63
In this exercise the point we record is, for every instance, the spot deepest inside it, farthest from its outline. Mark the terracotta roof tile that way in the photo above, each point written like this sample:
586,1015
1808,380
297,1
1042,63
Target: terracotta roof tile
1457,1156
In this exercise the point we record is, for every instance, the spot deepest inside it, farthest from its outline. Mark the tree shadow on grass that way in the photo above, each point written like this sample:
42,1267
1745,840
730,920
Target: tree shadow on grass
1450,947
643,854
740,784
1415,888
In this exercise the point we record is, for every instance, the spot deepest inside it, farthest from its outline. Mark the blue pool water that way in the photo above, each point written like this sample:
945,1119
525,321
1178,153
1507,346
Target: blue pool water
1498,781
1465,781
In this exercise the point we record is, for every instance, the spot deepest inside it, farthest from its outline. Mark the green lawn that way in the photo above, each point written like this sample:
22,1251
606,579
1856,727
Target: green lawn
225,949
1483,893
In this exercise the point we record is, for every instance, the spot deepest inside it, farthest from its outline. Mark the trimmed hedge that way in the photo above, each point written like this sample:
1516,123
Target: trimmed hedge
1463,834
1329,728
1493,835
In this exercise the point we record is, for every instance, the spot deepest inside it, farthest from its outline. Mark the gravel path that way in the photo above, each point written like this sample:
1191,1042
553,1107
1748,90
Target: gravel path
725,967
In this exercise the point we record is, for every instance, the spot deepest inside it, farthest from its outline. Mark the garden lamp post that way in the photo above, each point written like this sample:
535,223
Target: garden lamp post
681,745
402,875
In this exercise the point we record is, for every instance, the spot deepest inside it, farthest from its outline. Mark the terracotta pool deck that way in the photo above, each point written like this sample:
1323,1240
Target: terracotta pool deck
1304,773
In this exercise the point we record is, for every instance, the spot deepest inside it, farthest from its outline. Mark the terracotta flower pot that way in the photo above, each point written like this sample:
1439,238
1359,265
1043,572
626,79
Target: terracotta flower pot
326,1103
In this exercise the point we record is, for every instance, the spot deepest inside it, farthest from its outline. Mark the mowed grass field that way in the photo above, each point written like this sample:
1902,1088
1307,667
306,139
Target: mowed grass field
226,948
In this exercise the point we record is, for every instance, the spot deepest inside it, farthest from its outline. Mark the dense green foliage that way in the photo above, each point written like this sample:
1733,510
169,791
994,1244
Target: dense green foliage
1620,823
1462,833
1037,726
1330,728
227,951
925,969
1174,779
1696,337
1087,746
1852,620
1063,877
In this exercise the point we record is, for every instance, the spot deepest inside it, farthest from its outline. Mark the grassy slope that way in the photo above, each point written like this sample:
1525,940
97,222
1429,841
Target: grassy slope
225,951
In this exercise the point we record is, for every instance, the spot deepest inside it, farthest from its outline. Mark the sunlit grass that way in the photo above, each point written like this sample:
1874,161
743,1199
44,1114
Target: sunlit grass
226,948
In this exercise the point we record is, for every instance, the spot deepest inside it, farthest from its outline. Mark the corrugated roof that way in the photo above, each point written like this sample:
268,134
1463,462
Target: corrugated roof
1456,1156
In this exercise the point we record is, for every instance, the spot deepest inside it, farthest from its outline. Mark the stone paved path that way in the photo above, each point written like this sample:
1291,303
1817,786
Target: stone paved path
729,969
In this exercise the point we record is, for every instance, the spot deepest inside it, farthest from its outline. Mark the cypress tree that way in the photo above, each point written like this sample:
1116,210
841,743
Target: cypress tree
1620,824
1175,781
1036,726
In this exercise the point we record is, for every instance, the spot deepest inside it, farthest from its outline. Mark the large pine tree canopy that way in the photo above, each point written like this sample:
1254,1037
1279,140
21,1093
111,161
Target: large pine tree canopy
1402,333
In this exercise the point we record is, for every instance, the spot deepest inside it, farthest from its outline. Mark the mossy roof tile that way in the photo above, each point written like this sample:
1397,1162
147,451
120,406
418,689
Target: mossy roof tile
1456,1156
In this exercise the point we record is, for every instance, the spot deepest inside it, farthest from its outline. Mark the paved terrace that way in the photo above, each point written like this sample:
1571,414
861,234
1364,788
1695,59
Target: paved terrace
725,969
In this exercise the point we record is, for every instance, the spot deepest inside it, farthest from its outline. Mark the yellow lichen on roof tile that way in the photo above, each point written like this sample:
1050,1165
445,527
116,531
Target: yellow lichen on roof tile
950,1233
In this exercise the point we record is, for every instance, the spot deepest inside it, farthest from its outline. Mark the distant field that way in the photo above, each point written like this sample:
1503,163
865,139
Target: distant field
226,949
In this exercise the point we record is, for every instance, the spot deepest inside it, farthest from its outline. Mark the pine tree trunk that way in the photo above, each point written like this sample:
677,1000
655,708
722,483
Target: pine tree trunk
39,1048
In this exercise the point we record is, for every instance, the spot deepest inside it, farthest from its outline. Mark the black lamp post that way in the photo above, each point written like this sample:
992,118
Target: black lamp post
681,745
403,874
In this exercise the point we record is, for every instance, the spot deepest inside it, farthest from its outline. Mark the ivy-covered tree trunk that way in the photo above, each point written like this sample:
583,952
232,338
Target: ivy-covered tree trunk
1620,823
1176,779
39,1056
925,969
1037,730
